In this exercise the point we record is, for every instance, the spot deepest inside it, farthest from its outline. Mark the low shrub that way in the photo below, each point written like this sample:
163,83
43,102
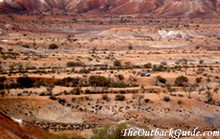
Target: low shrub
76,91
53,46
146,100
166,99
105,97
181,81
119,97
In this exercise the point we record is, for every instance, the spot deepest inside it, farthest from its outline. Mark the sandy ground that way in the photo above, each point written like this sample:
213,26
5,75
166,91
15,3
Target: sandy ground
96,46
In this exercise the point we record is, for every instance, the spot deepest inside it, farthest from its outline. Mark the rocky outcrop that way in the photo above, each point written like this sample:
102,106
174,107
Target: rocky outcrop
179,8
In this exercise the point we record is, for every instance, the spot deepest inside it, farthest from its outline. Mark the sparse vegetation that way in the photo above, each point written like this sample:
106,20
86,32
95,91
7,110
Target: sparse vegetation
160,67
70,82
113,132
99,81
74,64
61,136
77,72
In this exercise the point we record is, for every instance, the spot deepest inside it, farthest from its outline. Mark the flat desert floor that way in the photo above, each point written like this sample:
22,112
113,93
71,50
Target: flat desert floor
72,73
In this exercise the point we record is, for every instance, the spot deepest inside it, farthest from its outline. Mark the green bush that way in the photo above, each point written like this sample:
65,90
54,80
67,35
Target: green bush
120,77
87,91
130,47
119,97
70,64
76,91
53,46
166,99
117,63
43,94
134,85
160,67
69,82
61,101
99,81
40,83
147,100
181,81
25,46
105,97
119,85
198,80
74,64
85,71
161,79
52,98
148,65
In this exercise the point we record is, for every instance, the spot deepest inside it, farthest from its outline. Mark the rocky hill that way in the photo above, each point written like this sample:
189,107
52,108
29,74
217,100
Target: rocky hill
180,8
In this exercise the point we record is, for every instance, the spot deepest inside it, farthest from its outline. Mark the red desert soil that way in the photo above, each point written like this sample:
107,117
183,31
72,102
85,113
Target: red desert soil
17,129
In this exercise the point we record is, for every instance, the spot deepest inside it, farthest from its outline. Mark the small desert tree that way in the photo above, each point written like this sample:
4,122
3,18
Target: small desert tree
198,80
50,89
133,77
130,47
53,46
2,85
117,63
148,65
76,91
138,97
181,81
105,97
183,63
97,81
209,97
160,80
128,64
189,89
120,77
119,97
